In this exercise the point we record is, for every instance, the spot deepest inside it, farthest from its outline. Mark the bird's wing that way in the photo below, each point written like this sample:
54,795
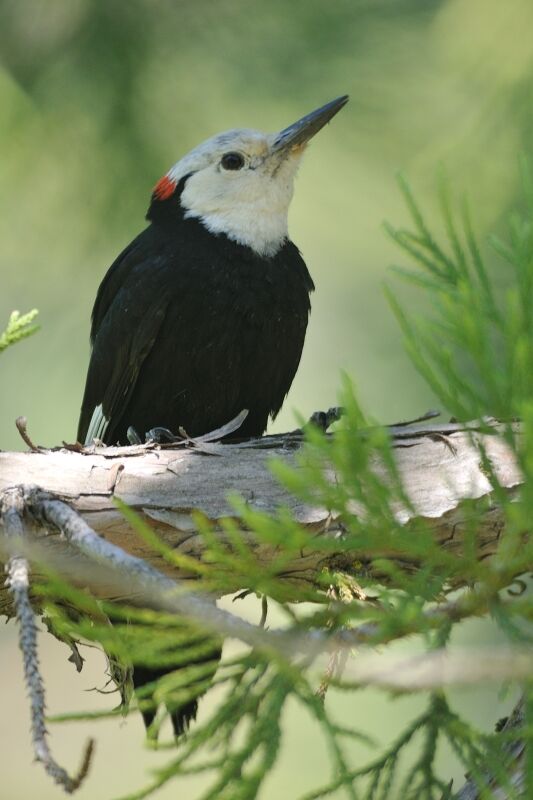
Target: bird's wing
117,274
127,318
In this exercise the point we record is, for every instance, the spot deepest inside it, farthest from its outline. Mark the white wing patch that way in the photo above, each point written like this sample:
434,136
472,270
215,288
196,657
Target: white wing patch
97,426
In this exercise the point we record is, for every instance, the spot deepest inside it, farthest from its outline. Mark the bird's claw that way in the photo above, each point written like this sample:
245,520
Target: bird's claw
323,419
161,435
157,435
133,436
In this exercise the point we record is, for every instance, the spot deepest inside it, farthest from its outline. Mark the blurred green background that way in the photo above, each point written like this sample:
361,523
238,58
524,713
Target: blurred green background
98,99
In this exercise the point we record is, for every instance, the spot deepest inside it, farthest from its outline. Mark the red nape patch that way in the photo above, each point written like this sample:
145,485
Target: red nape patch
164,188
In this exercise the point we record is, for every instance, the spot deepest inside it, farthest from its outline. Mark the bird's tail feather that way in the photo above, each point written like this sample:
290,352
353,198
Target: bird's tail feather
181,714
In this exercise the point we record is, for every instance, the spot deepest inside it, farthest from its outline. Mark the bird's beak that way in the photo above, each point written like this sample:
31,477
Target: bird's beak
298,134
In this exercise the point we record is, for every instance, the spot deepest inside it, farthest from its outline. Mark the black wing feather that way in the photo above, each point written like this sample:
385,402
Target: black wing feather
124,329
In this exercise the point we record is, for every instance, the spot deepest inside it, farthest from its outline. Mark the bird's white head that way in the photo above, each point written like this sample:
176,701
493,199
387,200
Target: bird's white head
240,183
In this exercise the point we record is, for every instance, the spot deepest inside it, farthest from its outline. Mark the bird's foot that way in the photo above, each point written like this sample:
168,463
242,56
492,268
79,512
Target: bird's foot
161,435
156,435
323,419
133,436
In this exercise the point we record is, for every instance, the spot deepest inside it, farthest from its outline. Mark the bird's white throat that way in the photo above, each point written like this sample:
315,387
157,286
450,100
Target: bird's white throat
255,224
253,211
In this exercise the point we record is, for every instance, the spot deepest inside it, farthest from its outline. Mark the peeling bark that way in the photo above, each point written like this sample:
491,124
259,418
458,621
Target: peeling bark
439,466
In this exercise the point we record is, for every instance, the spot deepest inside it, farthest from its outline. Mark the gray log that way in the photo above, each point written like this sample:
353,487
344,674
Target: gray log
439,465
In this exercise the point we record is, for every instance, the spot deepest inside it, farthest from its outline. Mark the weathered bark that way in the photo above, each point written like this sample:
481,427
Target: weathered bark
439,465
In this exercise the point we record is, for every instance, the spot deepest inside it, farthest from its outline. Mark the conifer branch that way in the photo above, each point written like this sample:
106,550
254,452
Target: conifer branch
511,757
19,326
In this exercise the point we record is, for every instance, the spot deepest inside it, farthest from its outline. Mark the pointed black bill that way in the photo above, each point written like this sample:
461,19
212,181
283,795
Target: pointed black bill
305,128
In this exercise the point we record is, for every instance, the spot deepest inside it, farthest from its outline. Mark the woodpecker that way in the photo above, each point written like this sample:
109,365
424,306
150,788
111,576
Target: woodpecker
204,314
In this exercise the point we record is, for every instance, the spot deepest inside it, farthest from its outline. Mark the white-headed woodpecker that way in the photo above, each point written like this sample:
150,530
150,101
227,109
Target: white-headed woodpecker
204,314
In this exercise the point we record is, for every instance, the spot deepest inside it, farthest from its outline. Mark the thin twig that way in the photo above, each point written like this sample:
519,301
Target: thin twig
18,585
346,591
431,414
264,611
327,676
21,423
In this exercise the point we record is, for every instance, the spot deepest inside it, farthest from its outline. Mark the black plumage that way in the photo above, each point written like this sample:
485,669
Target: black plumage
189,328
181,714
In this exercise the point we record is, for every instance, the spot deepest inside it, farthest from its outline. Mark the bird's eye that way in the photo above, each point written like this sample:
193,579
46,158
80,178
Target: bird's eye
232,161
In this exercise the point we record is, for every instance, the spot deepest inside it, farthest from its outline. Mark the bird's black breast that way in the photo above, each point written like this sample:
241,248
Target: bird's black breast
190,327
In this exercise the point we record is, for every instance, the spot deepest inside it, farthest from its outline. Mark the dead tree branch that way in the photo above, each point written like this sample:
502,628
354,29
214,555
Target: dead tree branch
18,585
439,465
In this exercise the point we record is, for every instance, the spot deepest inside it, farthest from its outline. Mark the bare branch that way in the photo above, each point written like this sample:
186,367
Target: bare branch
21,424
438,668
18,585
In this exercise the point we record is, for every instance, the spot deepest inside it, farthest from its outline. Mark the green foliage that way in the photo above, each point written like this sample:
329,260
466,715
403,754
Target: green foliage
477,349
18,327
476,352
